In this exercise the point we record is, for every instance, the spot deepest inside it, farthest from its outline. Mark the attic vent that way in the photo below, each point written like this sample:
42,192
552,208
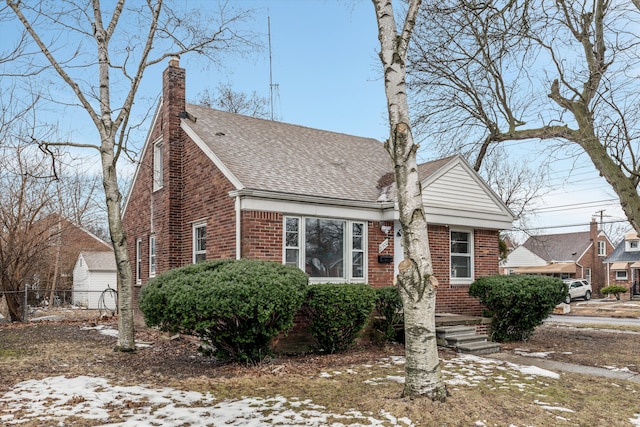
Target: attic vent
219,133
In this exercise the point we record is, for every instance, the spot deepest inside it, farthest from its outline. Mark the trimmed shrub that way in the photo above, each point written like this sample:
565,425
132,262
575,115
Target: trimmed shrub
517,304
336,312
389,307
235,307
613,289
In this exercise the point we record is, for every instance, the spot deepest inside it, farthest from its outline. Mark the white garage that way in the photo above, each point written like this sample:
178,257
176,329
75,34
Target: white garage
95,281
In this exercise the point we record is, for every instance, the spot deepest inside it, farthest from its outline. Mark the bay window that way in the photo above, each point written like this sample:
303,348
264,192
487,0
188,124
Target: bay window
326,249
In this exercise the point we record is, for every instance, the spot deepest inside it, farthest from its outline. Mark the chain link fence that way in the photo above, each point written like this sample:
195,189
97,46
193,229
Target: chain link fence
31,300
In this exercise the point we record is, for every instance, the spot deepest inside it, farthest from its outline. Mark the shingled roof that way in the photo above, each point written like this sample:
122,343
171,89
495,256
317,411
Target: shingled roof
559,247
285,158
99,261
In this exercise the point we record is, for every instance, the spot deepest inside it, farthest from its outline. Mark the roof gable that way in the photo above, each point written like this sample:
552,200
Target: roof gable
451,189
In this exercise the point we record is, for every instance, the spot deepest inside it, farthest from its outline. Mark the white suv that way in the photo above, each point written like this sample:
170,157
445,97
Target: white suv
577,288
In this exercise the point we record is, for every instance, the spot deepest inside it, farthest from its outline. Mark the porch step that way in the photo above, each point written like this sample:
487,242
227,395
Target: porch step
479,348
465,340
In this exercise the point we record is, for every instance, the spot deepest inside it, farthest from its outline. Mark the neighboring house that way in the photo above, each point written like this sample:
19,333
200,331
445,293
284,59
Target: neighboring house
566,255
212,184
623,265
95,280
67,241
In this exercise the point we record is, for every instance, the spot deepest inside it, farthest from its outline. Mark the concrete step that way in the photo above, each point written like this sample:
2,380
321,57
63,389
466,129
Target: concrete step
458,340
479,348
444,332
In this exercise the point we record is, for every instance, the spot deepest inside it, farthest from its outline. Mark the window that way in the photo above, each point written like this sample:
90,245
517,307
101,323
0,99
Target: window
461,257
326,249
292,241
587,274
152,256
602,248
199,242
621,275
138,261
158,172
632,245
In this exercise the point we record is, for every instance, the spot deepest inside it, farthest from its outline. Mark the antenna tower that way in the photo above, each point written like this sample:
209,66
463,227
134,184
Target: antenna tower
272,85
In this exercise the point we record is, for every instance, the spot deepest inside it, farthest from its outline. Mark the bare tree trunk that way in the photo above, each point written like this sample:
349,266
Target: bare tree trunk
56,265
416,282
126,333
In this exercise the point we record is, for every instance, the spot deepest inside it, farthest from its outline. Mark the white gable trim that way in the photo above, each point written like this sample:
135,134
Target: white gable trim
206,150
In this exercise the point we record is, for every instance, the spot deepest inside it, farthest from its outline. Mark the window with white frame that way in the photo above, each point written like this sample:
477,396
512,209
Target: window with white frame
158,172
587,274
461,257
138,261
152,255
621,275
326,248
199,242
602,248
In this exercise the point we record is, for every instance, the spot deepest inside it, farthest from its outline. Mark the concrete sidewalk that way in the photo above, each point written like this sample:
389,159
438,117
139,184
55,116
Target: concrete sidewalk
554,366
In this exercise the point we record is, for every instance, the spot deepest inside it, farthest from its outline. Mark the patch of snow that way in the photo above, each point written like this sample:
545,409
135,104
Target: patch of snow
57,398
613,368
548,407
635,421
534,370
325,375
540,354
103,329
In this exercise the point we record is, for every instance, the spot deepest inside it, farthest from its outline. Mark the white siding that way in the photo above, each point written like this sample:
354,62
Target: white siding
89,286
522,257
458,197
80,283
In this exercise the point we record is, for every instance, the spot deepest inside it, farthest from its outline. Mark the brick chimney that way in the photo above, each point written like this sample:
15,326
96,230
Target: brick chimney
173,139
593,230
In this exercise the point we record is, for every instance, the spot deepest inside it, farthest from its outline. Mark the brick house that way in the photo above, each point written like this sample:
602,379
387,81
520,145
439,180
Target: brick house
623,265
563,255
212,184
67,240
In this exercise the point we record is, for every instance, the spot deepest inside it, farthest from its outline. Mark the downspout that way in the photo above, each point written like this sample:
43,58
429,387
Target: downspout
238,228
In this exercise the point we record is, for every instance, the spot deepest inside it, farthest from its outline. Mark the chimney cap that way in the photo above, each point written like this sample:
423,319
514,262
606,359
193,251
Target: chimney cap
174,61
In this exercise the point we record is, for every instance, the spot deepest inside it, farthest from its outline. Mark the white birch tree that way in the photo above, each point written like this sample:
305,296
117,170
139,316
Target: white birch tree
86,43
416,282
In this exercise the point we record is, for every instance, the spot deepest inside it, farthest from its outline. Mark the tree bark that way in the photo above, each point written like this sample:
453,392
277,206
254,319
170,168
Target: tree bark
416,282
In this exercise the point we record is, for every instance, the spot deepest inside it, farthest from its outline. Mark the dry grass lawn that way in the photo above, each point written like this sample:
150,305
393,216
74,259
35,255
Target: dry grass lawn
366,379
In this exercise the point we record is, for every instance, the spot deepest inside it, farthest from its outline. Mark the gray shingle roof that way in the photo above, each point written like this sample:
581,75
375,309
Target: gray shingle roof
100,261
559,247
281,157
619,254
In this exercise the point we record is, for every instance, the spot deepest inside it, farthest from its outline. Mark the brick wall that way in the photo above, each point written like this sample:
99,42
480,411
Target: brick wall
380,274
262,235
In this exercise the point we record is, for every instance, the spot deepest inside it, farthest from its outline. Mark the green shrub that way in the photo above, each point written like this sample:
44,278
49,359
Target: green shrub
236,307
613,289
389,307
518,304
336,313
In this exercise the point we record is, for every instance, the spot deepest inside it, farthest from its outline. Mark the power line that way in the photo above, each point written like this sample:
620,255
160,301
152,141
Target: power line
572,206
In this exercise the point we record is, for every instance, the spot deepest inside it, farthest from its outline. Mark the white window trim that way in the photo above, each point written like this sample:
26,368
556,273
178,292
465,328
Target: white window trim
463,280
153,255
619,275
194,252
348,249
602,248
138,261
158,166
